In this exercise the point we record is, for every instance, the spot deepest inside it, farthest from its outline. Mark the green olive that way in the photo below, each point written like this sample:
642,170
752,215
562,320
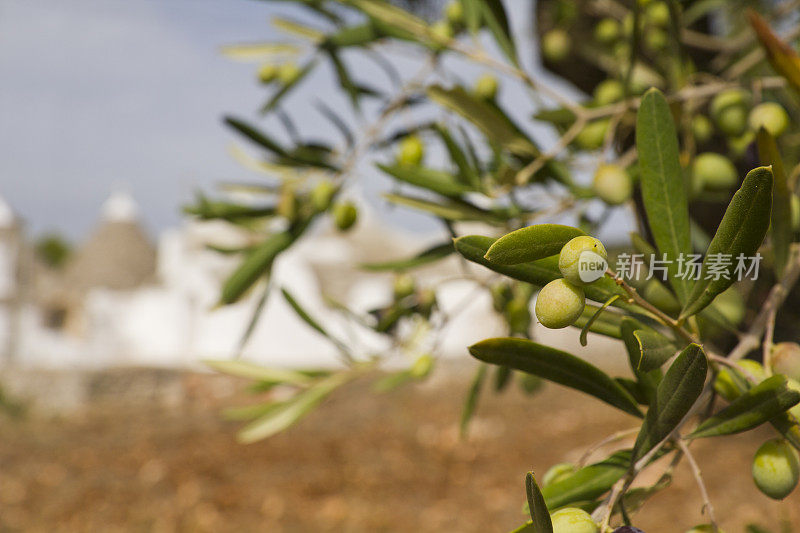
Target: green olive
739,145
702,128
771,116
412,151
321,195
607,31
657,14
404,286
656,39
454,12
442,32
570,257
572,520
288,73
486,87
593,135
713,171
559,304
345,215
558,472
267,73
612,184
729,111
622,51
555,45
776,468
608,92
726,386
785,358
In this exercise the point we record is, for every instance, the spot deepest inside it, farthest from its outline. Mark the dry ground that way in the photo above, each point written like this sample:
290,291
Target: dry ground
363,462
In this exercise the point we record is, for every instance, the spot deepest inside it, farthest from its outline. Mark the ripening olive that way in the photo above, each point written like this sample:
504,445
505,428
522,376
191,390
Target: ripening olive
726,386
657,14
776,468
612,184
656,39
422,366
454,12
628,529
442,32
411,151
559,304
267,73
607,31
702,128
714,171
608,92
729,111
739,145
288,73
785,359
572,520
403,286
345,215
321,195
569,258
592,136
486,87
771,116
557,472
555,45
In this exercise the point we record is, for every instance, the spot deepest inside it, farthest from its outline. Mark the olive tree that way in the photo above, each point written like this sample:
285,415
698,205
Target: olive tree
686,128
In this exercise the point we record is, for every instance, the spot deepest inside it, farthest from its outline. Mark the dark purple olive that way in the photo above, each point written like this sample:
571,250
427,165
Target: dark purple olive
628,529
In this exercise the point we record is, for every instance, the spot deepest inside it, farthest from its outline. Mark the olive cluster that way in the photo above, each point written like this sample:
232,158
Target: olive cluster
562,301
776,465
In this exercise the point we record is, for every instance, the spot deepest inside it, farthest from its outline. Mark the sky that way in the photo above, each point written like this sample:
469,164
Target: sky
99,96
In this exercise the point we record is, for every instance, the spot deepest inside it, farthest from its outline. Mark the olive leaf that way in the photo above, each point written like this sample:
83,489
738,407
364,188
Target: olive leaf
607,323
256,264
589,323
430,255
781,56
313,323
467,174
556,366
781,219
654,348
471,401
494,124
675,396
759,404
589,482
448,210
245,369
540,516
285,89
740,233
663,190
494,15
437,181
531,243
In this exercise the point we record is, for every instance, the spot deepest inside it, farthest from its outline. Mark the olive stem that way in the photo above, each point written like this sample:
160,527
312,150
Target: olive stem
698,477
662,317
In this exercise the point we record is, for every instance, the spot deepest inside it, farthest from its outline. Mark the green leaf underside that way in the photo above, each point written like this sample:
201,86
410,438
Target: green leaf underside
540,516
531,243
256,264
741,232
663,189
675,395
245,369
760,404
781,227
556,366
431,255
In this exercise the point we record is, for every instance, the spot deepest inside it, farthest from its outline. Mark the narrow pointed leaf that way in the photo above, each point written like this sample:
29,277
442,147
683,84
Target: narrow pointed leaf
495,124
663,190
607,324
246,369
760,404
781,56
556,366
431,255
312,322
466,172
531,243
589,323
740,233
540,516
254,266
654,348
437,181
259,51
676,394
647,381
448,210
281,93
495,18
471,402
781,226
589,482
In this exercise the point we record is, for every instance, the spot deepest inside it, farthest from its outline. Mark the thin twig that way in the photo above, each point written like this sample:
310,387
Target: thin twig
698,476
